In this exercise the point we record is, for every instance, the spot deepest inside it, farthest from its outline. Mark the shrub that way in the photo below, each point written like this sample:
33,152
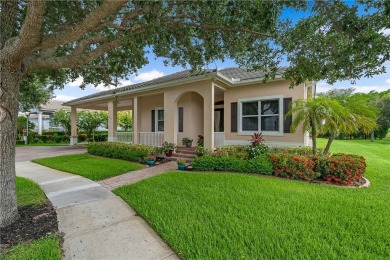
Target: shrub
260,164
346,169
257,139
236,151
222,163
254,151
294,166
129,152
302,150
20,142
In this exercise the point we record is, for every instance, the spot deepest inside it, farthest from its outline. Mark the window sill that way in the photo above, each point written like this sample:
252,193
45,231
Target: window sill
265,133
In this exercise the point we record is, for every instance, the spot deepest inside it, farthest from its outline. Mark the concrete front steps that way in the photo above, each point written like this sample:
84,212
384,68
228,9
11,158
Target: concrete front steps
183,153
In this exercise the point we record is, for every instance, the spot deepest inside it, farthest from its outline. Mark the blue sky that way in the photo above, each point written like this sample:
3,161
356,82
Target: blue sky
156,68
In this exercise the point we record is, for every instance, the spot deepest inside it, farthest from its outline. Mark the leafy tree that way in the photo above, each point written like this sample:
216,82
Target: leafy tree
59,41
383,121
21,124
125,120
90,120
62,118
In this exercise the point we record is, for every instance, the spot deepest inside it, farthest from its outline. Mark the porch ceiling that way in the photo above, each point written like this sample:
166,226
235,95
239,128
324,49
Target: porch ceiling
122,105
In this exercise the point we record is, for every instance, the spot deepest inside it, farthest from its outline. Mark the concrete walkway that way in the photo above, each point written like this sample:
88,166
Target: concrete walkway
96,224
135,176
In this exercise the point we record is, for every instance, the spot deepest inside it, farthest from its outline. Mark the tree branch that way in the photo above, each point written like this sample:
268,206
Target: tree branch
77,31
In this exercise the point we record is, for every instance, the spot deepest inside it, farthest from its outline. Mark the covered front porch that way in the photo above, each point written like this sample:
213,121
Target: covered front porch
170,114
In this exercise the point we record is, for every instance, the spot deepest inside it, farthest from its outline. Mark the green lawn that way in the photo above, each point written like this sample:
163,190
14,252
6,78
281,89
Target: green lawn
91,167
30,194
231,216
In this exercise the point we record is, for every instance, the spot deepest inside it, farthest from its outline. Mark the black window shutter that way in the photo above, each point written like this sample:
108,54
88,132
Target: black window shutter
233,118
180,119
287,120
153,121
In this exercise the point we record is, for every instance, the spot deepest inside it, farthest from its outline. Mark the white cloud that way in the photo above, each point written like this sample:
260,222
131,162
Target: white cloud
64,98
149,75
323,87
385,31
76,83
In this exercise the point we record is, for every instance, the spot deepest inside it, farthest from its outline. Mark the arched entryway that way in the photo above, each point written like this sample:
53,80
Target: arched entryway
190,118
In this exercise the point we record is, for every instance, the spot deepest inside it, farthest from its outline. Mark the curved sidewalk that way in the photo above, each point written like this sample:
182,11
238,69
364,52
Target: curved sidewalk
96,224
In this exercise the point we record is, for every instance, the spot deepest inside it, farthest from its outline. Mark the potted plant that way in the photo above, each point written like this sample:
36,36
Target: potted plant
200,140
150,160
181,164
187,141
168,148
200,151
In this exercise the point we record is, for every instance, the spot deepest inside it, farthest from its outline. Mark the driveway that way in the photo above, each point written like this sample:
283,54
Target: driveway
28,153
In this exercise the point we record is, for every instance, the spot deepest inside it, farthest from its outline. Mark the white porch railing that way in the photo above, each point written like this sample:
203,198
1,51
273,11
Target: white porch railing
124,137
219,139
151,138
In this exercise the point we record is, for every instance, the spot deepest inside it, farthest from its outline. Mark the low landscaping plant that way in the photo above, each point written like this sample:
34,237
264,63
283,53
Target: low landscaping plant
128,152
294,166
345,169
301,150
259,164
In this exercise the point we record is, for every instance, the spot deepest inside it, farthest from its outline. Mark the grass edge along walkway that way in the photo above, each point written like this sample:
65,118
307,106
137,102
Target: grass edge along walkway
92,167
29,194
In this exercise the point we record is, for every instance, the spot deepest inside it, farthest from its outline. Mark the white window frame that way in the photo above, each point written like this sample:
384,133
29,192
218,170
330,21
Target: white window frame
257,99
156,119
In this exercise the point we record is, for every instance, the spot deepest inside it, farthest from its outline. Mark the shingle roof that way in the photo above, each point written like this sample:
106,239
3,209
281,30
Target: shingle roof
52,105
244,74
171,77
230,73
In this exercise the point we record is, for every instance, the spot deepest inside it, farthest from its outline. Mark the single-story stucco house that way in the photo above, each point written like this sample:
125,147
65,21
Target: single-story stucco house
225,106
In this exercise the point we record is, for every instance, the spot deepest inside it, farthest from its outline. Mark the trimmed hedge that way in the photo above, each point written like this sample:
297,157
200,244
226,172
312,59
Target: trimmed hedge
260,164
346,169
301,150
129,152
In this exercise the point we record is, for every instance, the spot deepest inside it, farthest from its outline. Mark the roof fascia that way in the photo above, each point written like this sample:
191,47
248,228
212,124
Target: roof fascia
151,87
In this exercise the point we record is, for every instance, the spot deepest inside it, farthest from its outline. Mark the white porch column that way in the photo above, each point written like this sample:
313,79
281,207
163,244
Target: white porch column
39,122
112,120
73,121
135,121
170,119
208,115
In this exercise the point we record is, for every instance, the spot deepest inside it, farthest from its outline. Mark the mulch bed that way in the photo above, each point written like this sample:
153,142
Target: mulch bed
34,222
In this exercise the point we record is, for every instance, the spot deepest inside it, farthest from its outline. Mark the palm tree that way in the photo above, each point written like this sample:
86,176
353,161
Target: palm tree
333,115
309,113
348,114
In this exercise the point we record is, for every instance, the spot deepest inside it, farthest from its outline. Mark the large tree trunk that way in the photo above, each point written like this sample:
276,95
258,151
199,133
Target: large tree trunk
9,96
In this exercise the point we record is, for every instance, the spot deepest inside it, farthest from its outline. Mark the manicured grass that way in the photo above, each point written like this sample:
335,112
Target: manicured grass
91,167
29,193
231,216
44,248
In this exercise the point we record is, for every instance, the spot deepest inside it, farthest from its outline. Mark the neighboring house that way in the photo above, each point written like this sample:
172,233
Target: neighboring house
42,115
225,106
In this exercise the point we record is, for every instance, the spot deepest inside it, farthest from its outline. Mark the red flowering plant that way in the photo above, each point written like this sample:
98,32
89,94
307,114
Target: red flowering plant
257,138
344,169
294,166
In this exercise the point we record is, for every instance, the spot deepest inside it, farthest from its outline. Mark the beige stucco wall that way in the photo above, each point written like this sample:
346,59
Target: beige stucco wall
145,105
273,88
192,104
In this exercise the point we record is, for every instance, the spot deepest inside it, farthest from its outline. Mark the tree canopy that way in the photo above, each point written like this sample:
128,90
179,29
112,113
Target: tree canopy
102,40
